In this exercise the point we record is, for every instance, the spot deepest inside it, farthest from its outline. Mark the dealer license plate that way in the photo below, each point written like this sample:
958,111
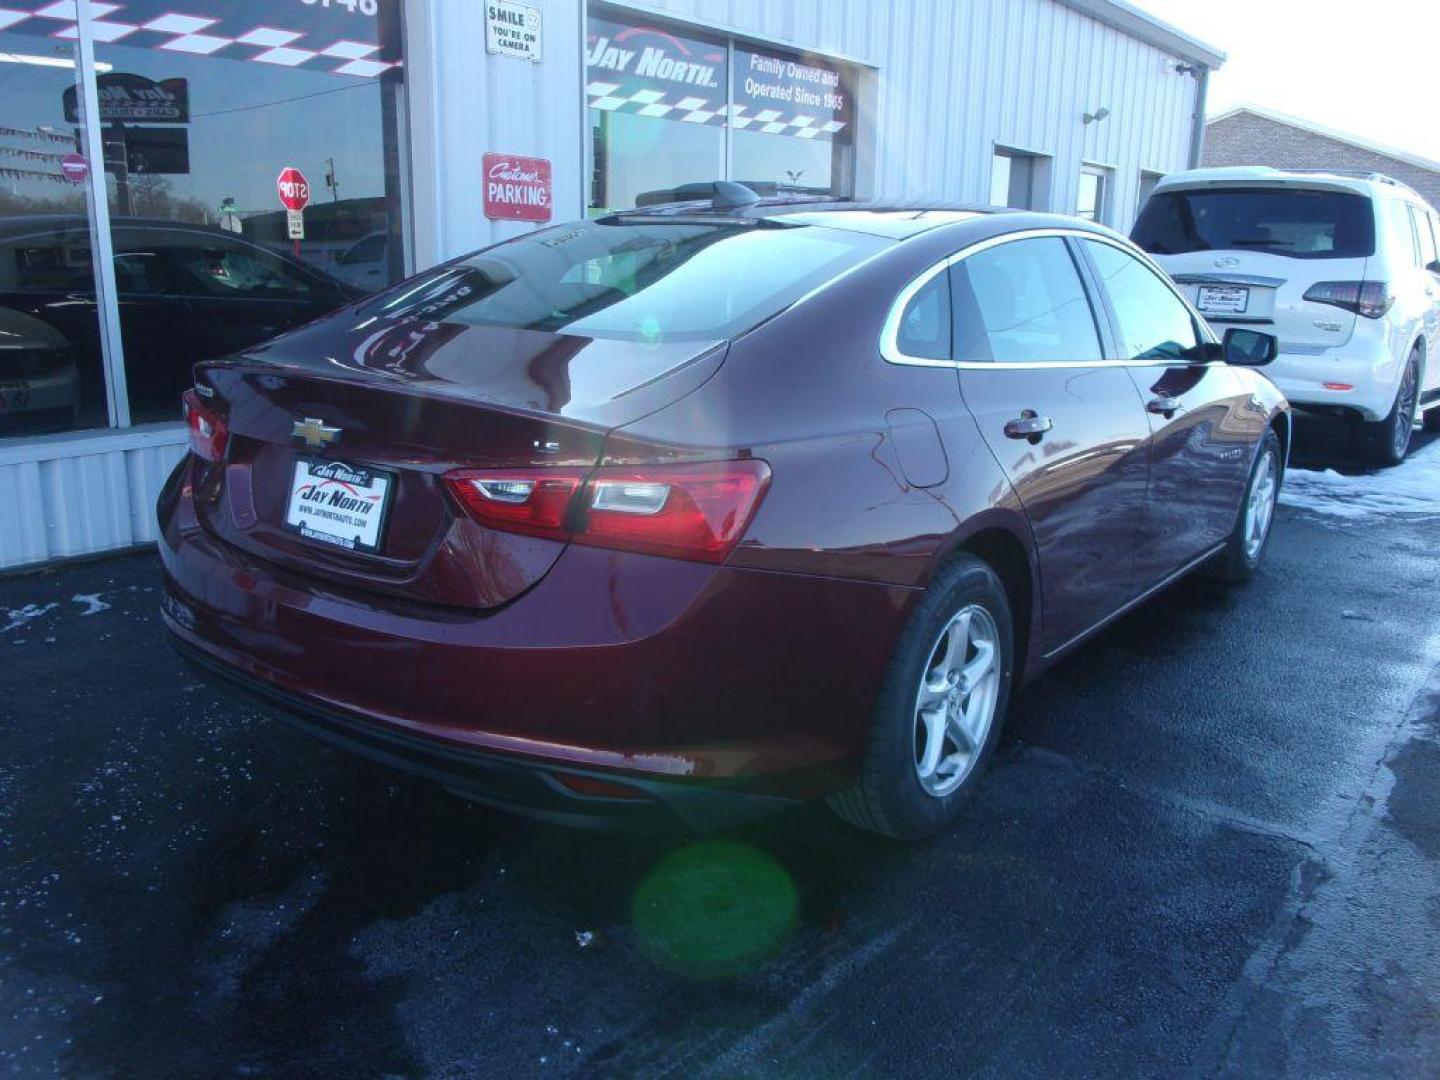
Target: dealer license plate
340,504
1223,299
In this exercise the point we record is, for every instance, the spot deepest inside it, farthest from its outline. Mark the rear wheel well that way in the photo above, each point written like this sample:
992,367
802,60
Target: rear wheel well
1006,556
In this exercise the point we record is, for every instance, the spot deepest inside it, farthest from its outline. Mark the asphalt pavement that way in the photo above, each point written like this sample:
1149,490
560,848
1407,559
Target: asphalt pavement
1210,845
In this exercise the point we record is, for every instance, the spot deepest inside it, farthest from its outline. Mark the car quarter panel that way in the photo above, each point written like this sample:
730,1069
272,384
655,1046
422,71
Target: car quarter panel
810,393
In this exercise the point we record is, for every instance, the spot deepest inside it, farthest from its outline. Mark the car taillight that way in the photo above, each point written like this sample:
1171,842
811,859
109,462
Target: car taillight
690,511
1369,298
535,502
208,433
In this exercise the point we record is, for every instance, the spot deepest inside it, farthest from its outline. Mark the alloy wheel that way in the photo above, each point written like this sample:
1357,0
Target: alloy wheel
955,704
1260,507
1405,409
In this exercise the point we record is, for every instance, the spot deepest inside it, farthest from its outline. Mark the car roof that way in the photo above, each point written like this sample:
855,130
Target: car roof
891,221
1358,181
25,224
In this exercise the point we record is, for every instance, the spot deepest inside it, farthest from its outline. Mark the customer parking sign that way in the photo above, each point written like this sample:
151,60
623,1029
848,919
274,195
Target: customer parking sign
517,188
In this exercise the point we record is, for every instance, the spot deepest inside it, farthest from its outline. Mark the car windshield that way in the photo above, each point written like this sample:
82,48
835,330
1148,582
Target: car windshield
636,279
1296,223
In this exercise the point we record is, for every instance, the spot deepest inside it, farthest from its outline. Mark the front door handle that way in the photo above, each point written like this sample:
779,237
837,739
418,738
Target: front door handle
1031,425
1164,405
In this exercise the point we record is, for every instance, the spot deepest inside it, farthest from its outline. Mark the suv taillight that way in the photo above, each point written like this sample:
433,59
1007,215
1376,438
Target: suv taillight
691,511
208,433
1369,298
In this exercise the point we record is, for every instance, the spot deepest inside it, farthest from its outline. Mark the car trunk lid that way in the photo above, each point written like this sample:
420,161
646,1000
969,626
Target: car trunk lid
380,412
1247,253
1248,288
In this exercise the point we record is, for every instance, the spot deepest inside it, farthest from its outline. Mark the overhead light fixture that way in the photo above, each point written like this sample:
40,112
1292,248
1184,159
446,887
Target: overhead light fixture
49,61
1098,114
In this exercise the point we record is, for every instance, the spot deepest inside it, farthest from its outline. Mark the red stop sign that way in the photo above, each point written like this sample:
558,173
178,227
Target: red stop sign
294,189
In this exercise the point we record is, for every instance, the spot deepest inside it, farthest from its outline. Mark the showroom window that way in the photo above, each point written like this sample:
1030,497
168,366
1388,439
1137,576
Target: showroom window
202,106
672,109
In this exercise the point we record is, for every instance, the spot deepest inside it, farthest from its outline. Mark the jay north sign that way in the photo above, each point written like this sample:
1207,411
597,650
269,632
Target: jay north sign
654,72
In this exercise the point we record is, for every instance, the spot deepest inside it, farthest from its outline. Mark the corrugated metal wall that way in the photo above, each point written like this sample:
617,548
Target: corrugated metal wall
952,79
949,80
75,497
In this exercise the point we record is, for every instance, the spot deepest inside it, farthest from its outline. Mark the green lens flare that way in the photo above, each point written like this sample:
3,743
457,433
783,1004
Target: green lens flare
714,910
650,330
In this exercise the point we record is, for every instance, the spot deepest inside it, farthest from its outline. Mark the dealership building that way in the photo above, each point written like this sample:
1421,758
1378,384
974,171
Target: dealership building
181,179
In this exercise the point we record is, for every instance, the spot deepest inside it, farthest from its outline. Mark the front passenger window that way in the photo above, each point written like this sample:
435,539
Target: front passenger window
1154,323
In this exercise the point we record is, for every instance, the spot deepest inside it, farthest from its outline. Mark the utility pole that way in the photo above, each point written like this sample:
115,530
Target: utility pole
330,181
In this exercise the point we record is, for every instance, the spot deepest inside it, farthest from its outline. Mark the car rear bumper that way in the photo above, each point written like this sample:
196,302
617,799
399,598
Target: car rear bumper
1358,378
518,786
651,671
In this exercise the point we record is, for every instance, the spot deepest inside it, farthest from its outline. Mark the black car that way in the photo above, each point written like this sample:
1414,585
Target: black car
186,293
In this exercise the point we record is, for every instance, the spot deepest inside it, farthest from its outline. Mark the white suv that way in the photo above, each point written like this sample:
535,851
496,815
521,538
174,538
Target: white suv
1342,268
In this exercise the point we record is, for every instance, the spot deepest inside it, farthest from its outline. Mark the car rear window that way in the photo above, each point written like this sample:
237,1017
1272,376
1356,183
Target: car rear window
1291,222
643,280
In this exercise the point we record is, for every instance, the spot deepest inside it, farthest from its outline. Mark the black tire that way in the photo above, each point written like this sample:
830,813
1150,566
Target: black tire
1386,442
1432,419
1239,560
888,796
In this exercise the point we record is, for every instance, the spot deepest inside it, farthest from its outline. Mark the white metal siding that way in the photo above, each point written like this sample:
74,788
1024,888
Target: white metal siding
76,497
951,79
945,80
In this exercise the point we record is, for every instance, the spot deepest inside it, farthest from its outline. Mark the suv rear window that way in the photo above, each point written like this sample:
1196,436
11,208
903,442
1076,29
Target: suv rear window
640,279
1292,222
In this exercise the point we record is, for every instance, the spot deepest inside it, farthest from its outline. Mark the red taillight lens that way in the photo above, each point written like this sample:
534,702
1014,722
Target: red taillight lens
208,433
683,511
534,501
687,511
1371,299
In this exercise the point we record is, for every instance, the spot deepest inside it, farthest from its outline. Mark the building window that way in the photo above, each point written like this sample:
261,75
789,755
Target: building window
673,109
1093,201
1018,180
195,129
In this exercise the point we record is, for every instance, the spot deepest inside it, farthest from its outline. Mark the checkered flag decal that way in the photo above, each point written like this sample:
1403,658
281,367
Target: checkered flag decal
177,31
607,97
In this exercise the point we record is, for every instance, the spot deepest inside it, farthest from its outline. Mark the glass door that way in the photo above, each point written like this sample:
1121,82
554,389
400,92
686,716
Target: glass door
53,369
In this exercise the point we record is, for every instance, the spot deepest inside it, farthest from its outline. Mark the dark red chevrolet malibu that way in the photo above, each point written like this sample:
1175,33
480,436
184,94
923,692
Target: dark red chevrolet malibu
696,512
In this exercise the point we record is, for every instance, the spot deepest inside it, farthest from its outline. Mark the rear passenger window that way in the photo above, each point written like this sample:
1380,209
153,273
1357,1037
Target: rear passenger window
1425,234
1154,323
925,325
1405,245
1023,303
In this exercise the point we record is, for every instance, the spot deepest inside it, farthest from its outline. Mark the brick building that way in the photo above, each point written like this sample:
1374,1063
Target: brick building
1251,136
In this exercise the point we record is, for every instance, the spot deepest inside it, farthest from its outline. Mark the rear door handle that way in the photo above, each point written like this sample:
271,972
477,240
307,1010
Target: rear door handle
1164,406
1031,425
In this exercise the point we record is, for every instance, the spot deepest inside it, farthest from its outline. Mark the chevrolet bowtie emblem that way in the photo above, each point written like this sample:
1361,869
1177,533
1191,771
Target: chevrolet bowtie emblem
315,433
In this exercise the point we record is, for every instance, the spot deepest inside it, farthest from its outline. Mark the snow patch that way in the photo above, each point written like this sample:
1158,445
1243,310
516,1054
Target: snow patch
20,616
93,604
1410,488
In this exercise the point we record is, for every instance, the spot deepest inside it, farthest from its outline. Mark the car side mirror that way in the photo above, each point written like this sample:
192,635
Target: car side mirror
1250,348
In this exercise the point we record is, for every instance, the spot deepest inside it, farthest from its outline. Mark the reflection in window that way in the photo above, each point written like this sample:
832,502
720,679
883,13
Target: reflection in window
52,376
1022,302
650,282
1153,323
668,105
